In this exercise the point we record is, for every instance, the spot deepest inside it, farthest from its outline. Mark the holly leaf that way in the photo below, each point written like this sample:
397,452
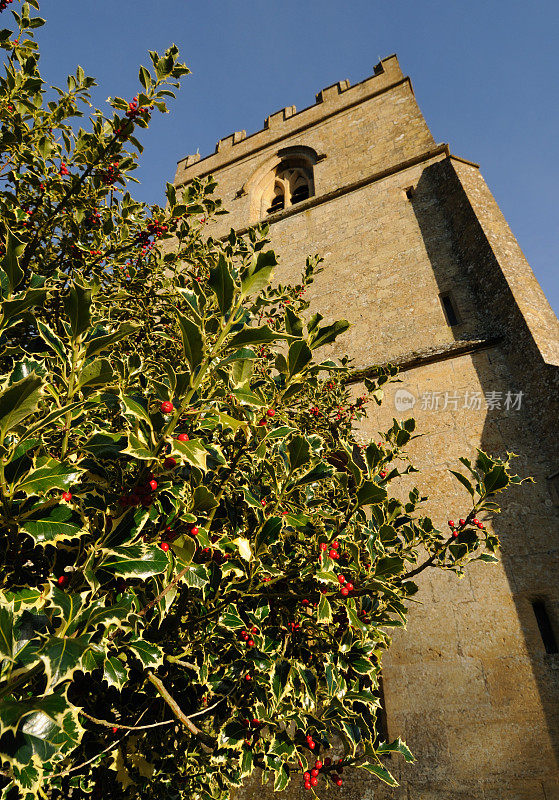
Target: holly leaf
193,452
262,335
61,656
135,561
50,474
192,341
149,654
97,344
114,672
55,527
380,772
12,712
370,493
397,746
19,401
221,282
7,631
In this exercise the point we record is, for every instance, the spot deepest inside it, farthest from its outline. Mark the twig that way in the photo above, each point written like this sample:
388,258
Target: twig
207,741
107,724
168,588
111,746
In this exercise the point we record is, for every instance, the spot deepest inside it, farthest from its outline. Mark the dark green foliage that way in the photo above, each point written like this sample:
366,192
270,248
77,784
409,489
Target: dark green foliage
171,615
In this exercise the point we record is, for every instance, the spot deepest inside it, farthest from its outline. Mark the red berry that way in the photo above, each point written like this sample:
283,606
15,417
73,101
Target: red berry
194,530
382,473
454,534
462,521
314,781
306,776
314,772
345,591
164,546
167,406
475,520
248,677
338,781
323,546
270,412
335,545
307,785
183,437
349,587
312,745
250,642
66,496
332,553
318,764
63,581
254,629
169,463
450,523
263,421
341,579
153,485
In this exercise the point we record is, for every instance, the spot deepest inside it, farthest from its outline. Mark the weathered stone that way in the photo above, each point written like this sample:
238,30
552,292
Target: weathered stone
401,221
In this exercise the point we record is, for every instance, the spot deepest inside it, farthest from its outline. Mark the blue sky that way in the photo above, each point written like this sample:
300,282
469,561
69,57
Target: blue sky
484,73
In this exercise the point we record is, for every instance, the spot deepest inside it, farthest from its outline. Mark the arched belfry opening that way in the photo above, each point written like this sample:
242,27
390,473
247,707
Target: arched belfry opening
290,183
282,181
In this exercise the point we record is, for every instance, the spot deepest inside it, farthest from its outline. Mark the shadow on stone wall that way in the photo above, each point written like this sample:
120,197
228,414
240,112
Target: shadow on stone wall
529,525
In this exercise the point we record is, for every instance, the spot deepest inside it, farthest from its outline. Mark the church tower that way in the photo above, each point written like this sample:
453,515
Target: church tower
420,260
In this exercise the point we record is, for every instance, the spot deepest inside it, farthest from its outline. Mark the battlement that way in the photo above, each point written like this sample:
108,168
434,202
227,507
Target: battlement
330,100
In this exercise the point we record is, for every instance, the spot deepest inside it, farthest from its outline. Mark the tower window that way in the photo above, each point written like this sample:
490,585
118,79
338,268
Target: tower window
544,624
449,309
554,487
300,193
291,183
278,202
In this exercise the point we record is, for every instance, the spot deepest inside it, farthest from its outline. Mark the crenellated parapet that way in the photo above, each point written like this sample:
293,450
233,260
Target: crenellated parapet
330,100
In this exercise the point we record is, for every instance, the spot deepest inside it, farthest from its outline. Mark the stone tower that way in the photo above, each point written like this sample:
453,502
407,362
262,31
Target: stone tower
421,261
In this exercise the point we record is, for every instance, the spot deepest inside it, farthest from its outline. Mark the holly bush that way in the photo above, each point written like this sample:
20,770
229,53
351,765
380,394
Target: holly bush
201,561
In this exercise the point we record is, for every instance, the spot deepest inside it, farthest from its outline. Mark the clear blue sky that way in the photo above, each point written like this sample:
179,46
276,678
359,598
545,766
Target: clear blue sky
484,73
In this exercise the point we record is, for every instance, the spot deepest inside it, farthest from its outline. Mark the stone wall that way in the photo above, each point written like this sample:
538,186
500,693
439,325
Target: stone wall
400,221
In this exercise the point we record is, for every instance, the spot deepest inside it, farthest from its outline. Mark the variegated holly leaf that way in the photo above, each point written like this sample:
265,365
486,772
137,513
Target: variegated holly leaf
149,654
135,561
13,712
114,672
62,656
60,525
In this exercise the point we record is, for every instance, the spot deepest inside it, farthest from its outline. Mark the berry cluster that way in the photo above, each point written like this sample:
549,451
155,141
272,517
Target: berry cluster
140,495
93,220
254,726
462,524
333,551
269,413
246,637
133,110
110,175
63,170
4,4
311,778
347,586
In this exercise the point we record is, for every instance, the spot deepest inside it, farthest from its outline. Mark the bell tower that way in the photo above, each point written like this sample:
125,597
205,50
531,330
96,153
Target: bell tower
419,258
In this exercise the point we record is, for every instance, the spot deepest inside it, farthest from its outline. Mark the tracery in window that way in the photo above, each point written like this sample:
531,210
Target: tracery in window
290,183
